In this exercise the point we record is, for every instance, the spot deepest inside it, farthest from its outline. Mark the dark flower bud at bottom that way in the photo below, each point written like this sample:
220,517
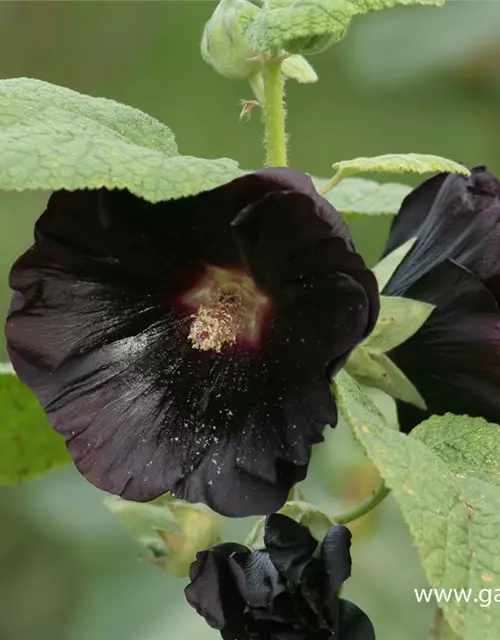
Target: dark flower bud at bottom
188,346
287,591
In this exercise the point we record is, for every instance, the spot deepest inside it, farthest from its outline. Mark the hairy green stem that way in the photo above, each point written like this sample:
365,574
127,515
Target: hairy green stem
274,115
378,496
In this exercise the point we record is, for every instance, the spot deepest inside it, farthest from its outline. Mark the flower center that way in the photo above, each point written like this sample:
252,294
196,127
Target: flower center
228,308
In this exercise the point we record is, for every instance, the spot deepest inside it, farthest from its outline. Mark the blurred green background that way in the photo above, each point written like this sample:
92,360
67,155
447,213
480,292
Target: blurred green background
423,80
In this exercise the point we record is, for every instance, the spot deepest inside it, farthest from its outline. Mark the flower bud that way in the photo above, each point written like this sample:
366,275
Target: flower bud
223,44
172,531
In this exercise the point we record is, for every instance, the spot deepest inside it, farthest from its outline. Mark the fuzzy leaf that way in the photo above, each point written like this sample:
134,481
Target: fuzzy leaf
398,320
400,163
359,197
454,521
53,138
28,445
310,26
469,446
386,268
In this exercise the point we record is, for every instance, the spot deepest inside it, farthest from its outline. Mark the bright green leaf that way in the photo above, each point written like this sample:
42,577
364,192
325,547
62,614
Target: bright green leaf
454,521
386,268
28,446
358,197
469,446
398,320
53,138
399,163
310,26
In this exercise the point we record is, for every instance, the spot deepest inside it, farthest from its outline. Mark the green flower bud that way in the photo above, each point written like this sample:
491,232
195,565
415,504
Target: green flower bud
172,531
223,44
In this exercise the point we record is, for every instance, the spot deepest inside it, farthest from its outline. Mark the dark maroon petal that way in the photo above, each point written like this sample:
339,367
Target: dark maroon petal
414,210
262,581
290,546
286,235
454,359
354,623
336,557
463,224
213,588
100,327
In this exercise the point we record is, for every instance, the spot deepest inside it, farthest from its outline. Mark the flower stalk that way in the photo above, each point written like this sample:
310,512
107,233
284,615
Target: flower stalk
364,507
274,114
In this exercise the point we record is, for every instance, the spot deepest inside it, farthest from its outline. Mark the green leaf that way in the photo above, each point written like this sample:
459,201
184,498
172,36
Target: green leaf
28,445
53,138
358,197
378,371
454,521
386,268
398,320
469,446
310,26
399,163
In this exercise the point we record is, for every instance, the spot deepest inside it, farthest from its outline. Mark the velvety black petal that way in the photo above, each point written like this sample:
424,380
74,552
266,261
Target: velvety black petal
280,602
99,329
413,212
336,557
287,236
354,623
213,588
462,224
290,546
262,581
454,359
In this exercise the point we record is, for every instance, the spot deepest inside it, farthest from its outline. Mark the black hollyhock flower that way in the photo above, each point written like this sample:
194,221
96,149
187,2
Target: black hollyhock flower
454,359
188,346
285,592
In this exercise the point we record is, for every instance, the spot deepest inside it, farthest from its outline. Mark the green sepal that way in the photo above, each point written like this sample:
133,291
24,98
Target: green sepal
386,268
377,370
302,512
172,531
398,320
